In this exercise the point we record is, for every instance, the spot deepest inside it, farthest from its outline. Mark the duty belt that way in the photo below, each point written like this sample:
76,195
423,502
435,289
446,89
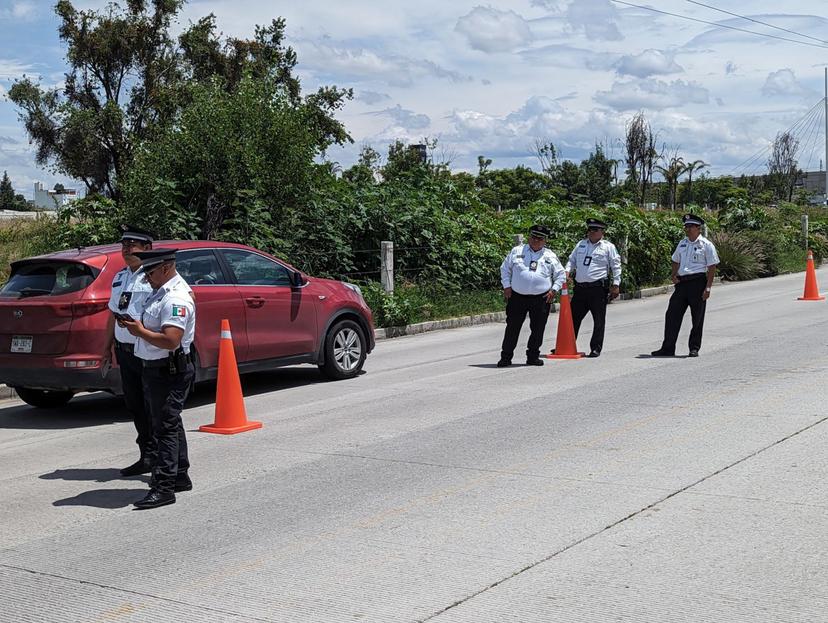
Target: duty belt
601,283
692,277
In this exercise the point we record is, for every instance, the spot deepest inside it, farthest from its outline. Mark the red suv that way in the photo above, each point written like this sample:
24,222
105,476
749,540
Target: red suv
53,314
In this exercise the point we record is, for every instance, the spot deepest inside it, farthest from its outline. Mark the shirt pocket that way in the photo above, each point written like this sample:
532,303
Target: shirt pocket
698,255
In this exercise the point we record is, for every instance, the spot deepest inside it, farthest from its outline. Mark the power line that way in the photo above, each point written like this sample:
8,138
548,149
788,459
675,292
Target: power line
702,21
756,21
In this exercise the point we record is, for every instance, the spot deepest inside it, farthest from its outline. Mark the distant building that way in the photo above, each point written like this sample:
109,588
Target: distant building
46,199
812,182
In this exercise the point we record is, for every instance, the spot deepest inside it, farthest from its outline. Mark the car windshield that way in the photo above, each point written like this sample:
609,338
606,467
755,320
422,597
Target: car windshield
48,278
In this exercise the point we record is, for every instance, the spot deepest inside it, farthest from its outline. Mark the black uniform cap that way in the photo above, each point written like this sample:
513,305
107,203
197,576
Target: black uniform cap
540,231
594,222
151,259
130,232
692,219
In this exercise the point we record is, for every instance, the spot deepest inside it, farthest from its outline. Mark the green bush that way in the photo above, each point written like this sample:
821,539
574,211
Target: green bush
740,258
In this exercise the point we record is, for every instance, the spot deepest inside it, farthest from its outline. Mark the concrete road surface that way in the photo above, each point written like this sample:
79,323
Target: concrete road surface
436,487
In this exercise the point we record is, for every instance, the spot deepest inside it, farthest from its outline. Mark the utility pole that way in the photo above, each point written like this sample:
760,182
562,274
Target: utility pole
826,135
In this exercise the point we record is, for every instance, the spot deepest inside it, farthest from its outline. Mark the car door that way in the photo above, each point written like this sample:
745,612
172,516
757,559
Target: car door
216,298
280,319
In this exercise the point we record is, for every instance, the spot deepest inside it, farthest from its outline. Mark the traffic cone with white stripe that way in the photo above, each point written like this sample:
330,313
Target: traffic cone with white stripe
811,288
565,347
231,416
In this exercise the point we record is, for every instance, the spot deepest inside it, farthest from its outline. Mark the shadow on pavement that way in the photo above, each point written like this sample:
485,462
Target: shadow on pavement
86,410
103,498
102,408
483,365
645,356
106,474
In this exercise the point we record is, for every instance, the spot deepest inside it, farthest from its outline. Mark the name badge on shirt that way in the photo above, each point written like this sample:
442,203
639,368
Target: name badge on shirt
533,265
587,260
123,301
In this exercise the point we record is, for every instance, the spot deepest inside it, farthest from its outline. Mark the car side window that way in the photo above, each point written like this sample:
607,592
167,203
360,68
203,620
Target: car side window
253,269
199,267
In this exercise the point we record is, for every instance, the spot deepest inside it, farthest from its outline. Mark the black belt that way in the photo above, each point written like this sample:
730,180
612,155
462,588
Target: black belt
601,283
163,363
692,277
125,346
529,296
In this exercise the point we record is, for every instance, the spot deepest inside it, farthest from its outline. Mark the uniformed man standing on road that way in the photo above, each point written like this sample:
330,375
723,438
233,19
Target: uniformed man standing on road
694,266
592,261
129,291
531,275
165,333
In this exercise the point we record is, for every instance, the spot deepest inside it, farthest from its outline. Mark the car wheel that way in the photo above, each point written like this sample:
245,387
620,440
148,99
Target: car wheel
344,351
44,398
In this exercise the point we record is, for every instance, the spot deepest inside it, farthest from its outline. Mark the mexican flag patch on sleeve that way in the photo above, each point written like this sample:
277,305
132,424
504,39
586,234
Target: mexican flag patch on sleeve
179,311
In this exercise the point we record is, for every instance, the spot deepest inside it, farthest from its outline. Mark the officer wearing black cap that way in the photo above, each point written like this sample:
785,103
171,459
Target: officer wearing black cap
531,275
165,333
129,291
593,262
694,266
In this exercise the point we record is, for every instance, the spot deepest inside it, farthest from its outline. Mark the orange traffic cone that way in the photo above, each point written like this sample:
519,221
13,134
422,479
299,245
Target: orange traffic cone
811,287
565,347
231,416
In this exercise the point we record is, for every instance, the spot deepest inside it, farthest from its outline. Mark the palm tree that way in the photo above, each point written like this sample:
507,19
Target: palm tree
690,168
671,173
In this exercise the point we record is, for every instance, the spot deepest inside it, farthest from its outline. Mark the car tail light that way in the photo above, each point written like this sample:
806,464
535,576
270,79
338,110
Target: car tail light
87,308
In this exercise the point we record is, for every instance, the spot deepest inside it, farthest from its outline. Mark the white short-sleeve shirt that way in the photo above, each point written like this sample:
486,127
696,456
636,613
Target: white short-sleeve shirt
594,261
171,305
695,257
128,296
531,272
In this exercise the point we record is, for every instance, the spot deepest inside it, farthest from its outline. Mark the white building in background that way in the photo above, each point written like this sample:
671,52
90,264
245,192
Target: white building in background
47,199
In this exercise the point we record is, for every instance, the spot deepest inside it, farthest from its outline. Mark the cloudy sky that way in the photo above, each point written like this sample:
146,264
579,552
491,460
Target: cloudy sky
491,78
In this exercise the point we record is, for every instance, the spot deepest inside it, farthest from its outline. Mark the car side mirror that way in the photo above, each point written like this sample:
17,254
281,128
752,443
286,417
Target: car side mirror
296,279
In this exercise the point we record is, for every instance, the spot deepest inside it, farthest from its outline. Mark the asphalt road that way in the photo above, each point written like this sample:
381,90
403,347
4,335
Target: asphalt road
436,487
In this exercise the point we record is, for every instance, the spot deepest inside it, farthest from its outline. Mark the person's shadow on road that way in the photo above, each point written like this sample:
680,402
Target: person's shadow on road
98,475
103,498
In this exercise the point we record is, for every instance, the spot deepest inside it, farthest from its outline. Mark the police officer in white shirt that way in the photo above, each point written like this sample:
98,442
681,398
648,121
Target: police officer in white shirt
592,261
531,275
694,266
165,333
129,291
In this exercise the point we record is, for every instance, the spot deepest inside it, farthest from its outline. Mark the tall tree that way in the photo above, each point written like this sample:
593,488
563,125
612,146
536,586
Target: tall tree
783,166
7,198
129,79
673,168
693,167
597,176
641,154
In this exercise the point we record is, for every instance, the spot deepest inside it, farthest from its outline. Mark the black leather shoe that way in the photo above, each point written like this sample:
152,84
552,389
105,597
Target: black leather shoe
154,499
662,353
503,363
693,353
594,353
183,483
137,468
534,362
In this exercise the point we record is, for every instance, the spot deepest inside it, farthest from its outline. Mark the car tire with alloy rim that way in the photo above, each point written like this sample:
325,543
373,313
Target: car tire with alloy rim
44,398
345,350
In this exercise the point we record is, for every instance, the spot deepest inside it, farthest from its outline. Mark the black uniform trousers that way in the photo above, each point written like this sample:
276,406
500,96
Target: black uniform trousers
592,298
517,307
133,388
165,396
688,293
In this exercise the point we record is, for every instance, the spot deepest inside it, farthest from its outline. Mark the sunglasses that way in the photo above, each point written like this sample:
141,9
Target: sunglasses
594,228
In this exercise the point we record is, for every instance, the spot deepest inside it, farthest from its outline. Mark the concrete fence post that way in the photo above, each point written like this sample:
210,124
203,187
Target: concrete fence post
518,240
387,265
805,230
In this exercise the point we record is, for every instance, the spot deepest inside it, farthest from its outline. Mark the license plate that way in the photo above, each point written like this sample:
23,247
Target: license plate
21,344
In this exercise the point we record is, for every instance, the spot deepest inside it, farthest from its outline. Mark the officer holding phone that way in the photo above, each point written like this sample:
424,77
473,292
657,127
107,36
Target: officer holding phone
165,331
129,291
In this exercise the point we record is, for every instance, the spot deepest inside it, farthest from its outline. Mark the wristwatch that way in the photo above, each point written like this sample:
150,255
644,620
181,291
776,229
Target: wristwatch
707,289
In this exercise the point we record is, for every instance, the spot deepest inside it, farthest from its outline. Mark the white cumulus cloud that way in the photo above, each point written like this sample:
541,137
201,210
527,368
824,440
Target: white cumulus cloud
404,118
490,30
648,63
652,94
783,83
